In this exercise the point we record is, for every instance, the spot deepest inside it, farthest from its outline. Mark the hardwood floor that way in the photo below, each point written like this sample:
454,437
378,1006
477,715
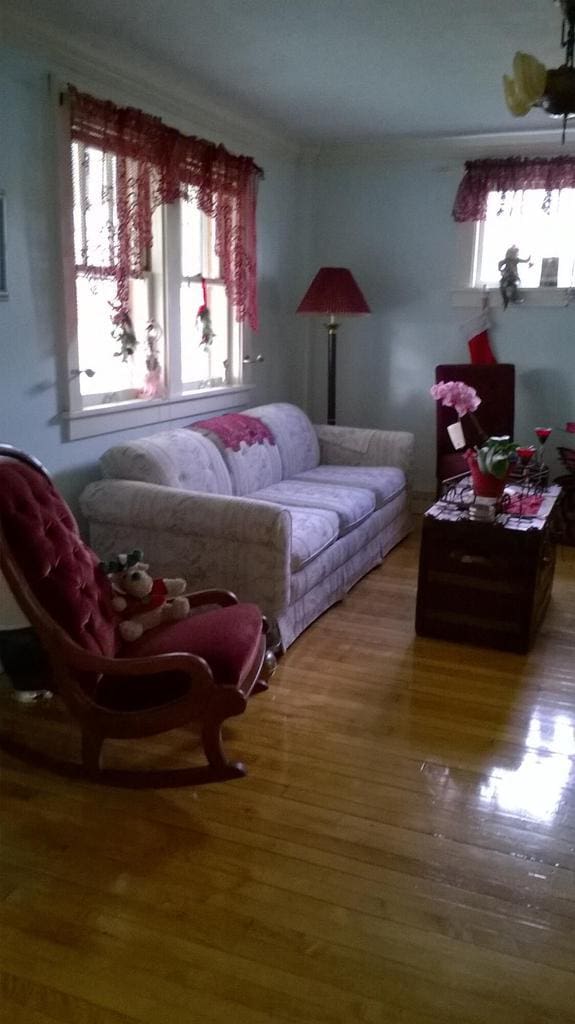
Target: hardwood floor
402,850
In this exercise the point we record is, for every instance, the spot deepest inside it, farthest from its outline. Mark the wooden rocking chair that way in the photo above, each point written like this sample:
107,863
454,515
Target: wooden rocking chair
202,668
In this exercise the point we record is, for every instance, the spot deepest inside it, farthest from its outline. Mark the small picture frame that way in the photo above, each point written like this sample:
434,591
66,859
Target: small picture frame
3,277
549,272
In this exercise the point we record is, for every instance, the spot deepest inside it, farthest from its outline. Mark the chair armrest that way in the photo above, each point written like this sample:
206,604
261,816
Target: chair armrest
192,664
202,692
212,540
224,598
359,446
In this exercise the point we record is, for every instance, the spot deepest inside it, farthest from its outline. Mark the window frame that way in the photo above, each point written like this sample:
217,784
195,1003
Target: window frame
467,295
82,419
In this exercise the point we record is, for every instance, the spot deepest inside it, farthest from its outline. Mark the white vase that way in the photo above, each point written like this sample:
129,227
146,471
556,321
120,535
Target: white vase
456,435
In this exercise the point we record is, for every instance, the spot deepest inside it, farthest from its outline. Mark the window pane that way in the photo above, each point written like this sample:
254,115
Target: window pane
96,346
521,220
198,239
203,365
94,182
191,230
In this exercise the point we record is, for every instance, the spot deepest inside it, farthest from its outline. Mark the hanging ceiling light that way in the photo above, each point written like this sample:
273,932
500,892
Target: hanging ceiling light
534,85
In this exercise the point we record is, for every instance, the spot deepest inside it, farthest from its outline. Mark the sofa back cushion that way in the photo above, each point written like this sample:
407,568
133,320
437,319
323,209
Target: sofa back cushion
248,448
294,434
173,458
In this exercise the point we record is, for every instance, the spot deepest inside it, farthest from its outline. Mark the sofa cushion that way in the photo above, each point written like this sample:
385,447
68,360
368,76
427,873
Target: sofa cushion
248,448
352,504
172,458
312,531
385,482
253,466
294,435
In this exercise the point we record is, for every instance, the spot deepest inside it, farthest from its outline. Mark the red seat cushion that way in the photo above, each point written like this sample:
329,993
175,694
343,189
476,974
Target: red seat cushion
227,638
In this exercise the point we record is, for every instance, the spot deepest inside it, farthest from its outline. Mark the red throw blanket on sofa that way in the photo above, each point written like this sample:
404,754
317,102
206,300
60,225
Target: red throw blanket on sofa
234,427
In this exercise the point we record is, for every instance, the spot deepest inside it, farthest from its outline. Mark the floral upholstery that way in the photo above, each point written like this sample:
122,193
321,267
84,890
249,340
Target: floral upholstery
253,466
173,458
351,504
312,531
285,532
294,435
384,482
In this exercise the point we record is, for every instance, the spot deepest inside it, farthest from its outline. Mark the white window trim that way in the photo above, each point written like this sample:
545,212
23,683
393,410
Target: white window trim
474,298
82,422
108,419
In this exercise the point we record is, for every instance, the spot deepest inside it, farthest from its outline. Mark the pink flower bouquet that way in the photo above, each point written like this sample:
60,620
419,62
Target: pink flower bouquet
461,397
456,394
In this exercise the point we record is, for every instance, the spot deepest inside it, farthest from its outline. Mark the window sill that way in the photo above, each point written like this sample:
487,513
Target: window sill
473,298
107,419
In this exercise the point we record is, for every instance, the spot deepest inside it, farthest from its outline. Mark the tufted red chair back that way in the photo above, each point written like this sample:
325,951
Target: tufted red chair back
44,545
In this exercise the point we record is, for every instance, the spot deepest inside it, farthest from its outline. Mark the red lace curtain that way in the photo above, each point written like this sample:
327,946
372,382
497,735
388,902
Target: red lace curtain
156,164
513,174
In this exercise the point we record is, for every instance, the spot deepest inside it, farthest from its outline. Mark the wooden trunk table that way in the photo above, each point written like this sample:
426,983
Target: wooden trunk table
486,584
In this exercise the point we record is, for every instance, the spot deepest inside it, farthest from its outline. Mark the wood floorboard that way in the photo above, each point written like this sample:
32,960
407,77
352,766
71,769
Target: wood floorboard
402,850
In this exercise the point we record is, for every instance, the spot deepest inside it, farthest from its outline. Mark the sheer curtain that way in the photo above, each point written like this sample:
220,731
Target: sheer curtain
514,174
155,164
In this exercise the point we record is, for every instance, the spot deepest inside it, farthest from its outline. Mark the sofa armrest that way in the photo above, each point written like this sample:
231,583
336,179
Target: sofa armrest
211,540
358,446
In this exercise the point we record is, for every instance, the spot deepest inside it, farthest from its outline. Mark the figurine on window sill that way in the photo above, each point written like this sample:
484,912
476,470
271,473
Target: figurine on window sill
509,275
125,335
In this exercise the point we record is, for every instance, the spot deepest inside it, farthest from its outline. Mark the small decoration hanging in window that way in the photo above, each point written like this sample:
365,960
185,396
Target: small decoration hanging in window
123,332
205,319
153,381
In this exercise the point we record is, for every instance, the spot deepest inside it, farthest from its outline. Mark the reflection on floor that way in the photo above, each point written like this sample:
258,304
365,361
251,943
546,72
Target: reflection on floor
402,850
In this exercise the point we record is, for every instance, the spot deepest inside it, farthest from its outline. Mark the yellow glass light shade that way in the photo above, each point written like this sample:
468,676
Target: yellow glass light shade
530,75
527,86
518,106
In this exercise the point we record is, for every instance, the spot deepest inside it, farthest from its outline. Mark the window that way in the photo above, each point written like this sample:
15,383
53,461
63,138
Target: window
527,202
539,223
180,269
160,266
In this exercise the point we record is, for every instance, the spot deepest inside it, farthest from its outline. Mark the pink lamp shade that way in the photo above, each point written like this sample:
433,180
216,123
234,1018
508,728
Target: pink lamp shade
333,290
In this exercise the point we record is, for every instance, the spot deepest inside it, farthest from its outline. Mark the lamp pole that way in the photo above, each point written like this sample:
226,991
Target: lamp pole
331,364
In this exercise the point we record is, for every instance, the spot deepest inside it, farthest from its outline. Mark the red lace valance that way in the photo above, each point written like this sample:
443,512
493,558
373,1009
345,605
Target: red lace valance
510,175
156,164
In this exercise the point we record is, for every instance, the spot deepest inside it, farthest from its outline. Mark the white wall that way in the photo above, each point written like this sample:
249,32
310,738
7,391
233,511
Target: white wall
390,222
31,321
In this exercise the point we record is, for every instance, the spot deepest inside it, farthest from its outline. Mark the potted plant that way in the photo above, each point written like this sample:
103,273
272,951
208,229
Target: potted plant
489,464
490,460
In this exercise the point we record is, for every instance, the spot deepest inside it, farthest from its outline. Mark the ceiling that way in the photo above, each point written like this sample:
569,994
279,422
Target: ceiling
337,70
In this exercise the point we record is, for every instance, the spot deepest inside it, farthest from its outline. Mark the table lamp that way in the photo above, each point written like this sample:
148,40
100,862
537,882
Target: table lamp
332,292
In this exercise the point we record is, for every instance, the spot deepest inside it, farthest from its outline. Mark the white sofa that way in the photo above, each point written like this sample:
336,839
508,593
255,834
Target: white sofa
290,520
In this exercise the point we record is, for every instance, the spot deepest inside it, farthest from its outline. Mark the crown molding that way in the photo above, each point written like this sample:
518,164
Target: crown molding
131,78
542,142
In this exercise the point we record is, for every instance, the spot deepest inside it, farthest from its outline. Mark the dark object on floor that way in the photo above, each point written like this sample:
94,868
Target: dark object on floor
24,661
203,668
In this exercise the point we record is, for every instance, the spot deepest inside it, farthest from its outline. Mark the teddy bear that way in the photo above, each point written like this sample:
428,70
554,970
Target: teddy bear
143,602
